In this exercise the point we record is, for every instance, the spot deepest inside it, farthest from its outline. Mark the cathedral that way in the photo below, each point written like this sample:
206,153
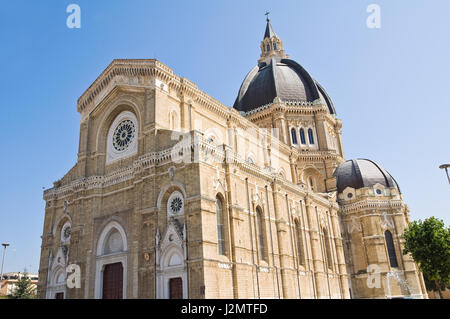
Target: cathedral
176,195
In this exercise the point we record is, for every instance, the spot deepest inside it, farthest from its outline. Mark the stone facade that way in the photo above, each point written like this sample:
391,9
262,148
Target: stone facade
222,200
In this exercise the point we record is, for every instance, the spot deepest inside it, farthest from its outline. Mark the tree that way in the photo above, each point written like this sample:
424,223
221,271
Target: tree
428,242
23,288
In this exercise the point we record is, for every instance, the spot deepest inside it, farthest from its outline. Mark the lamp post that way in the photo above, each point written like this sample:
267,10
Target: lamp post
446,166
3,262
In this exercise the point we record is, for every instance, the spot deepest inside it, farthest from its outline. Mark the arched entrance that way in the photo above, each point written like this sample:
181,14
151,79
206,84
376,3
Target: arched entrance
111,263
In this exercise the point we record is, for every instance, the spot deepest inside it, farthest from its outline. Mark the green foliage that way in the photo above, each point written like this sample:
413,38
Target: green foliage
24,288
428,242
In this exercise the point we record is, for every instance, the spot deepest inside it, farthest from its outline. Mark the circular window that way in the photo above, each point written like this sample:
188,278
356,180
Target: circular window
123,135
66,232
175,204
378,191
349,195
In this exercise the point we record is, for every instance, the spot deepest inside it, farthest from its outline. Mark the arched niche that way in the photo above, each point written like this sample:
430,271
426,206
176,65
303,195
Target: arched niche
113,239
311,174
111,249
171,265
106,119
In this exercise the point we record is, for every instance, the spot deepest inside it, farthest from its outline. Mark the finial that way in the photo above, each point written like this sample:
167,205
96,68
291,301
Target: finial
267,16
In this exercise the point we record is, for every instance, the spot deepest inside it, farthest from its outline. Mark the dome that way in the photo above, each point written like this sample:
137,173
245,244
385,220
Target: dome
282,78
278,76
361,173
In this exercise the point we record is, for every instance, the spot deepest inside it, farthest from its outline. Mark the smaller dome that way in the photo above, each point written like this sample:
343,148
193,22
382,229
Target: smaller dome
362,173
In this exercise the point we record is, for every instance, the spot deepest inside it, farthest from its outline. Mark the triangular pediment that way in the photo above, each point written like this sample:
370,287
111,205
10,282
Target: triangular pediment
173,235
60,258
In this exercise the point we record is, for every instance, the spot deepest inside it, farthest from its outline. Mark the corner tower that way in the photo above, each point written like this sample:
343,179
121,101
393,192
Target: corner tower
374,217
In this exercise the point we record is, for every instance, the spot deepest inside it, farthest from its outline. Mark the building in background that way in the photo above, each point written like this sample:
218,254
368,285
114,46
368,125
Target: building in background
175,195
10,279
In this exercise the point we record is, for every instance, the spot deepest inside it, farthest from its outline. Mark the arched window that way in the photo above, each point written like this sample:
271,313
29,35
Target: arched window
294,136
391,248
275,46
173,121
311,183
260,233
300,251
220,228
328,248
302,136
310,136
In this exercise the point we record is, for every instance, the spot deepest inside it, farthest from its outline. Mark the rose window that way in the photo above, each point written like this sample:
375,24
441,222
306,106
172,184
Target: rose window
176,205
123,135
66,233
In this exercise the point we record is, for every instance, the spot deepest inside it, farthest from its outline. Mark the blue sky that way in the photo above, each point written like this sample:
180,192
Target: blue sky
390,85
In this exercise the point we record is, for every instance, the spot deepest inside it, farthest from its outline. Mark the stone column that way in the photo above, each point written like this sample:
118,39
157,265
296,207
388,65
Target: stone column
280,238
338,244
292,163
318,267
185,116
319,119
231,220
339,137
279,122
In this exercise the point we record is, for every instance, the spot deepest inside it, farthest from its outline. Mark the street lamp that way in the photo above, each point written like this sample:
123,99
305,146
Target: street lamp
3,261
446,166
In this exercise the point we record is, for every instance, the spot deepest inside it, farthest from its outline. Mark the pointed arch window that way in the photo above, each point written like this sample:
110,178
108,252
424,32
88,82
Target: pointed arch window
391,249
268,47
300,251
220,226
294,136
310,136
275,46
260,233
302,136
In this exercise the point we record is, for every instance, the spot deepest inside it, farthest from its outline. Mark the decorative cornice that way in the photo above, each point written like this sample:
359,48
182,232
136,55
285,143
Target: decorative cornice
369,204
149,68
308,108
205,149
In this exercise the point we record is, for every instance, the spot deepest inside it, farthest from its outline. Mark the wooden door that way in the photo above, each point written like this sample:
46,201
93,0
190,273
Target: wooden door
113,281
176,288
59,295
